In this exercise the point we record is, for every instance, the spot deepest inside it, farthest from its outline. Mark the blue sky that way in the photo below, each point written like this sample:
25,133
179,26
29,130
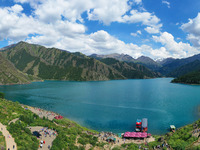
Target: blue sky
155,28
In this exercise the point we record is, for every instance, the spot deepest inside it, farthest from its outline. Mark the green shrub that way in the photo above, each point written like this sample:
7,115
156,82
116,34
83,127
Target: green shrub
2,95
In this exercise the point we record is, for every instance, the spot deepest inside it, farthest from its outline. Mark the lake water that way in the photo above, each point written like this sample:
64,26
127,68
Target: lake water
114,105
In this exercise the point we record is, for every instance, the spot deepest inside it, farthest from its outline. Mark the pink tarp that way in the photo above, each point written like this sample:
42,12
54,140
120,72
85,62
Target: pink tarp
58,117
136,134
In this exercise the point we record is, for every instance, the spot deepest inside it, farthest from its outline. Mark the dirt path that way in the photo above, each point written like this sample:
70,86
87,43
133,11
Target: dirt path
13,121
48,138
10,142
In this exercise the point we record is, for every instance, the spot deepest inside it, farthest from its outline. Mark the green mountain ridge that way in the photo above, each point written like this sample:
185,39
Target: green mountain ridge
10,75
143,60
172,65
185,69
130,70
190,78
56,64
188,74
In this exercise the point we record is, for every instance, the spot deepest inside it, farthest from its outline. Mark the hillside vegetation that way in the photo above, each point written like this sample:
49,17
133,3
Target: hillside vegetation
68,131
74,137
52,63
185,69
10,75
2,141
130,70
190,78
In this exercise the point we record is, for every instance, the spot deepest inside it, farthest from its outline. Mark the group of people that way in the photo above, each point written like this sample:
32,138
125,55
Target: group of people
40,112
43,113
162,146
106,134
46,131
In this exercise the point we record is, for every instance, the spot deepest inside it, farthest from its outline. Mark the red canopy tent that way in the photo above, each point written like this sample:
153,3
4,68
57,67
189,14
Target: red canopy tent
58,117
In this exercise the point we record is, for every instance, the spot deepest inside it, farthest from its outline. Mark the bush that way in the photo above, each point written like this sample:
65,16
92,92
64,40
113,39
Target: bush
2,95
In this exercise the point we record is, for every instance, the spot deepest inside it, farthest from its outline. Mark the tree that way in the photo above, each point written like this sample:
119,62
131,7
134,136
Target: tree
2,95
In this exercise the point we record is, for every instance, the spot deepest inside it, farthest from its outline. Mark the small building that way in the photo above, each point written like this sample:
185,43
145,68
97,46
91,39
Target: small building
144,124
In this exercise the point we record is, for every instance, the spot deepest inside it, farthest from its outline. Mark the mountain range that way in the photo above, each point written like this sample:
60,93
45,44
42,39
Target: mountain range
143,60
26,62
55,64
166,67
170,67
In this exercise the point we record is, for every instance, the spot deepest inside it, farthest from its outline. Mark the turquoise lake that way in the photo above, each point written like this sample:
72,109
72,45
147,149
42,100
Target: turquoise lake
114,105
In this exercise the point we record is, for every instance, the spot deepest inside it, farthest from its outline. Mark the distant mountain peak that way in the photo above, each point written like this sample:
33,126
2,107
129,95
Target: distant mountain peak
120,57
145,58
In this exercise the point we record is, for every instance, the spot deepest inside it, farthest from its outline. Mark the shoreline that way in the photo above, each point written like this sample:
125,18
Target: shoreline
46,113
8,84
101,138
80,80
184,83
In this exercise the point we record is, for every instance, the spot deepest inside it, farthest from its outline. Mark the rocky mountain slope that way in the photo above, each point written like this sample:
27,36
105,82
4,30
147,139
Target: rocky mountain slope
10,75
143,60
130,70
52,63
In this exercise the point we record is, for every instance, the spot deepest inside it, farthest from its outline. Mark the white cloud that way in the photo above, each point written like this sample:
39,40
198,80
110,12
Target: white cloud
21,26
166,2
137,33
193,28
138,1
176,49
99,10
153,30
99,42
16,8
33,3
69,35
160,53
150,20
108,11
145,18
